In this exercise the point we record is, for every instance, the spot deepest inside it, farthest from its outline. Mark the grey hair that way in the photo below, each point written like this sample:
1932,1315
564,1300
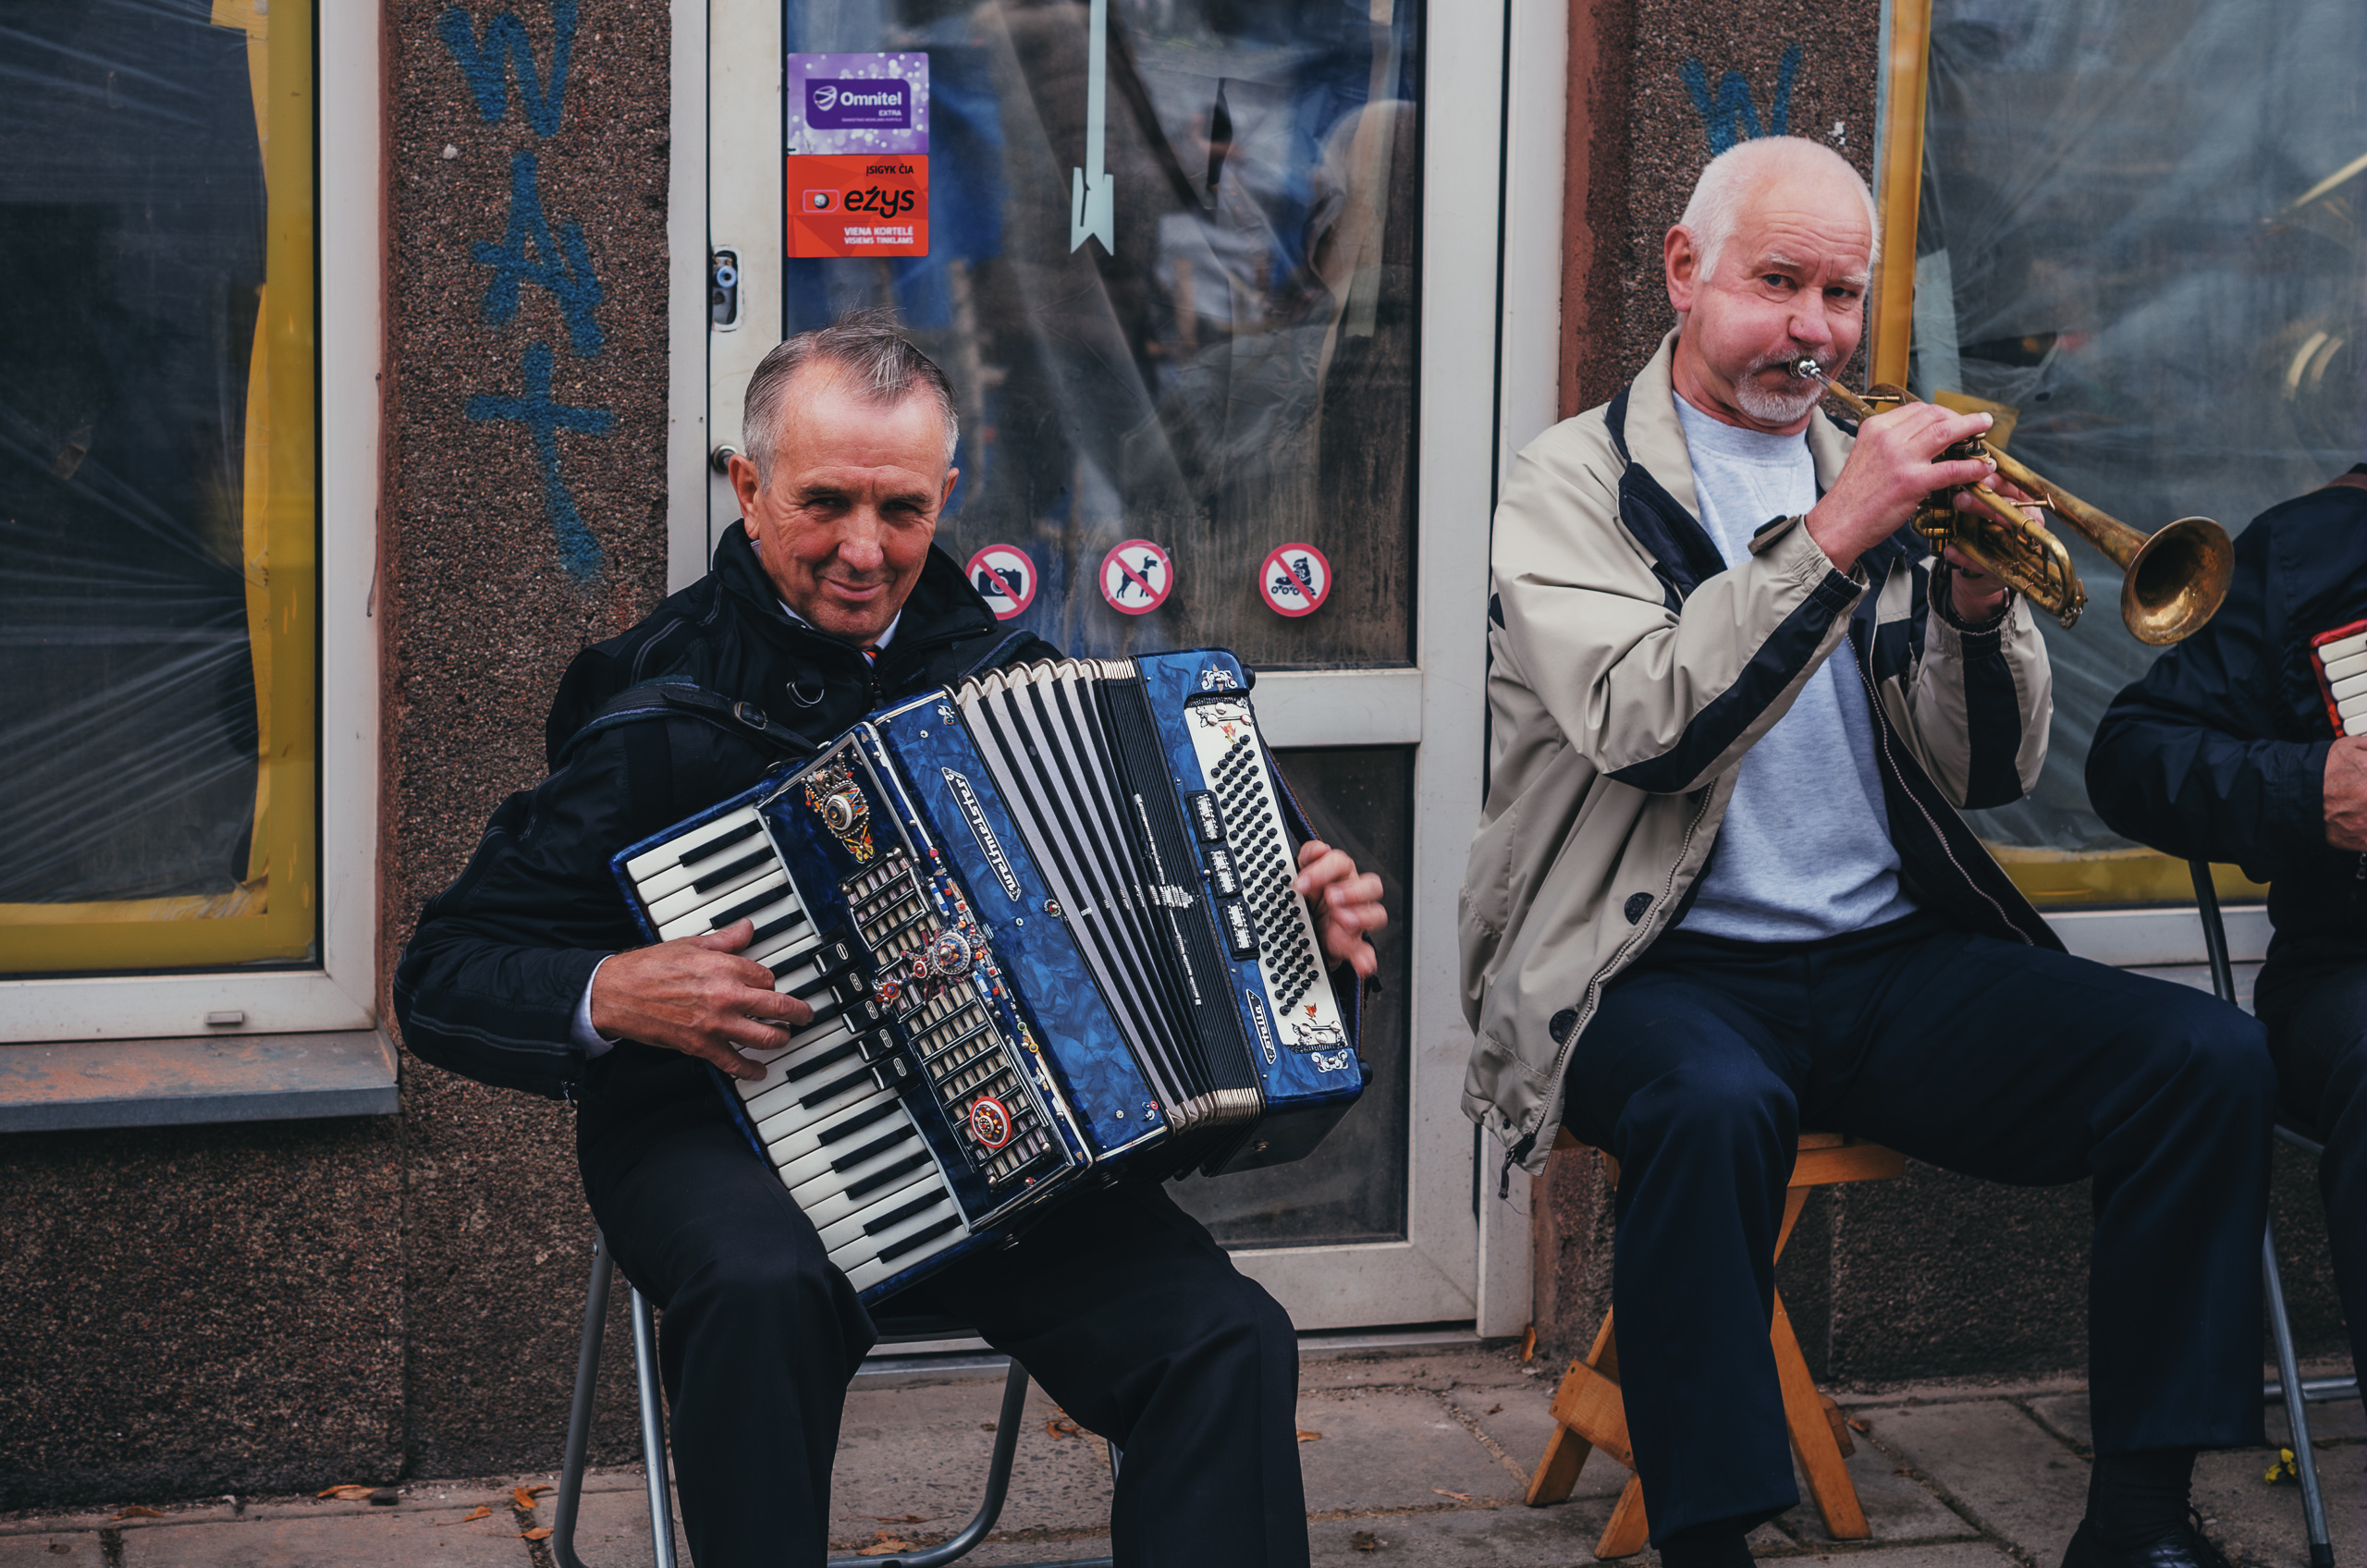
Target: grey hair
1736,175
869,348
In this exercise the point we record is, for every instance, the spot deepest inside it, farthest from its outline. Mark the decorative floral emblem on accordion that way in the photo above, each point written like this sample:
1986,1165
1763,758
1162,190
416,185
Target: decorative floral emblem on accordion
989,1121
840,803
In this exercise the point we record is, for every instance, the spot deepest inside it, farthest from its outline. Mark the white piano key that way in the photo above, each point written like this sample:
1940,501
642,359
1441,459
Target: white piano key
859,1246
775,1129
827,1201
665,912
2349,663
863,1276
926,1186
789,944
2343,647
662,862
816,1162
778,1091
708,916
2349,687
2354,714
846,1128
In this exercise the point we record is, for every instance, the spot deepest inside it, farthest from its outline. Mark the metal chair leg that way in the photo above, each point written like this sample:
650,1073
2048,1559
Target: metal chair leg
2297,1415
578,1412
1014,1411
653,1428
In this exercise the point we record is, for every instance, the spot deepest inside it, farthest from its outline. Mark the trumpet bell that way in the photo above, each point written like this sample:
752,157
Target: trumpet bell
2170,588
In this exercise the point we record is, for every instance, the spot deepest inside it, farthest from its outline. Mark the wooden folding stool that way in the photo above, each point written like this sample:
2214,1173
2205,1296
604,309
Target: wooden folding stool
1589,1412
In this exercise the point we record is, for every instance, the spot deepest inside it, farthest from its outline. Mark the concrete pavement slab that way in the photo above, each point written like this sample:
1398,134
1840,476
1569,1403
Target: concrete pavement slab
612,1529
1997,1465
1899,1508
1436,1370
926,1451
2260,1525
1393,1447
384,1539
2335,1421
52,1549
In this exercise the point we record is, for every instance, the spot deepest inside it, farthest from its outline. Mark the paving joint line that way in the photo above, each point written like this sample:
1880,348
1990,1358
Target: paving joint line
1901,1464
1470,1423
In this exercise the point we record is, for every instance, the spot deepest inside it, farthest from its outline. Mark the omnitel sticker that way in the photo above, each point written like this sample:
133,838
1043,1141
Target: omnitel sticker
856,132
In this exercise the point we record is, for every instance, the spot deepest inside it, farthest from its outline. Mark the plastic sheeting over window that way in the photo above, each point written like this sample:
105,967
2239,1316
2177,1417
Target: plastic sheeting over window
1229,369
2141,226
155,486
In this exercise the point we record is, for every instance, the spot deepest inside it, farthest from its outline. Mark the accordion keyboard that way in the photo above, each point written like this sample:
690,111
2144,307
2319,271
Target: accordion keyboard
830,1109
2343,666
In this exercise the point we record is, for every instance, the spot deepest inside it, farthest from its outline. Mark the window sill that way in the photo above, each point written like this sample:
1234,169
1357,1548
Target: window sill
86,1084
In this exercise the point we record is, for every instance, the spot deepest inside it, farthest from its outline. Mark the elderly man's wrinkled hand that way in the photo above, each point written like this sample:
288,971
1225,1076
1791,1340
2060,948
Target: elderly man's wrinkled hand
2346,793
1891,468
1347,905
697,995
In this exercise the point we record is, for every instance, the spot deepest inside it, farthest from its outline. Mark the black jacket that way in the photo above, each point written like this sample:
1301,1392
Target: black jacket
2219,753
489,984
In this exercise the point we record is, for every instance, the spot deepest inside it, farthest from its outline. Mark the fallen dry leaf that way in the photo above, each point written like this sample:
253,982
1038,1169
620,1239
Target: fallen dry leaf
986,1425
1364,1540
1858,1426
885,1543
1495,1410
1061,1428
538,1533
346,1494
1459,1497
901,1518
1527,1351
1307,1437
482,1513
138,1512
524,1496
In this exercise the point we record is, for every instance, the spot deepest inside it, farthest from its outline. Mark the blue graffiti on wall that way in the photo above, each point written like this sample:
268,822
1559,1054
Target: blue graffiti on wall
578,551
531,250
1731,115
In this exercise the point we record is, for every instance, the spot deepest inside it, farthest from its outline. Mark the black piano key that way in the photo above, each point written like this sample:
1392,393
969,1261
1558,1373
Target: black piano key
879,1145
835,1087
886,1174
777,925
836,1054
720,842
801,960
919,1238
719,877
747,907
905,1211
855,1124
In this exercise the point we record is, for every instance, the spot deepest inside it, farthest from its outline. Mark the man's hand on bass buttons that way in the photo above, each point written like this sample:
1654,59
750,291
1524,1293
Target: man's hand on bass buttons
698,996
1347,906
2346,793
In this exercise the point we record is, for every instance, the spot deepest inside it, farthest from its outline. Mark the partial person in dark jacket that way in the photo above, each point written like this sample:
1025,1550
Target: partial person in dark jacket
827,602
2224,751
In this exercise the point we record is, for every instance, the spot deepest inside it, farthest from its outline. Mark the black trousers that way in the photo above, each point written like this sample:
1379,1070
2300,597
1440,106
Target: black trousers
2022,1066
1120,1305
2317,1033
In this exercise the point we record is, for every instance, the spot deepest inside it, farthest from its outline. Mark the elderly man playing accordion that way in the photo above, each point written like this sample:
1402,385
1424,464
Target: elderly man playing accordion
829,602
1723,892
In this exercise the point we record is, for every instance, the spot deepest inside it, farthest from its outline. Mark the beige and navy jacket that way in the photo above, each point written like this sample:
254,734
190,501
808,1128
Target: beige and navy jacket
1629,671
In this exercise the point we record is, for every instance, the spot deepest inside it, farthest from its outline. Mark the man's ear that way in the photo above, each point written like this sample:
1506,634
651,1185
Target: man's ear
744,484
945,496
1682,263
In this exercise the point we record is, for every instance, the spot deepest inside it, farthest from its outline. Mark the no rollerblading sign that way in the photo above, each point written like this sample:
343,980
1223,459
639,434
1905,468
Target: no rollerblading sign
1136,577
1005,578
1295,579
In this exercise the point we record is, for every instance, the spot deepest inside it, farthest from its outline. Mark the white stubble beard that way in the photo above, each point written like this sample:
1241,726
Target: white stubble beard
1774,408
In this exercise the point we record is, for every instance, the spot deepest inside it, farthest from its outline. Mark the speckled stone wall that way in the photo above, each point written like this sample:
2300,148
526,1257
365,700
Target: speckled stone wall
524,515
1935,1275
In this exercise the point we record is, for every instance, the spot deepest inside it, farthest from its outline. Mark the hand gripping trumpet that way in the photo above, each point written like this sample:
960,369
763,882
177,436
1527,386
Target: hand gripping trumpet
2171,582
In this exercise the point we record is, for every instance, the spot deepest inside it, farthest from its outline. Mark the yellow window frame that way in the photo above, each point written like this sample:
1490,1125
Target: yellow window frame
2049,878
273,914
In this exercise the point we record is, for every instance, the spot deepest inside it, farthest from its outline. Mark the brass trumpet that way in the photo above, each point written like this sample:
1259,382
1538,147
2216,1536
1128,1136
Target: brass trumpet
2171,582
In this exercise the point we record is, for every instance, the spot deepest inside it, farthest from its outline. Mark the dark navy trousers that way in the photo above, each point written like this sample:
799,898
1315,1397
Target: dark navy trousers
2316,1015
1120,1305
2003,1061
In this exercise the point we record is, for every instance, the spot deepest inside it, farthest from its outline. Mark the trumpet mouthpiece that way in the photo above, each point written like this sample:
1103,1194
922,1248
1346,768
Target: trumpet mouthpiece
1807,369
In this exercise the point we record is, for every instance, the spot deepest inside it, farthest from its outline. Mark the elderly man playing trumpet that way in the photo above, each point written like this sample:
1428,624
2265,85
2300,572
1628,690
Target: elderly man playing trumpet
1723,890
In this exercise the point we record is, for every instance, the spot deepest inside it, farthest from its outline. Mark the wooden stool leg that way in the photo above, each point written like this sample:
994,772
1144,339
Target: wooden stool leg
1812,1439
1628,1530
1565,1452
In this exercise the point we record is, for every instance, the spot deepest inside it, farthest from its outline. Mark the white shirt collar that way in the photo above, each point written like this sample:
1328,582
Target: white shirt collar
880,642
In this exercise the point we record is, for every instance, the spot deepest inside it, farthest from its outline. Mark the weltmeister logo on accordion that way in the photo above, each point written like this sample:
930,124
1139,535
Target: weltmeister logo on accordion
1046,922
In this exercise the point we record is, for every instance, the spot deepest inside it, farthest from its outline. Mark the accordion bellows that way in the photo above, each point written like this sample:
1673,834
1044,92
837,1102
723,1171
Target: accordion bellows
1046,922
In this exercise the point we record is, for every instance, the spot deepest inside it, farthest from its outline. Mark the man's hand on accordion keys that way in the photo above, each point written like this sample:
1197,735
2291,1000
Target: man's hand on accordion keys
1347,905
698,996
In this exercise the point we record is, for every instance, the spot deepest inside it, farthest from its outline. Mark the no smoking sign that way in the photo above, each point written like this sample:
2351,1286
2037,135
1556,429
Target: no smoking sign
1005,578
1136,577
1295,579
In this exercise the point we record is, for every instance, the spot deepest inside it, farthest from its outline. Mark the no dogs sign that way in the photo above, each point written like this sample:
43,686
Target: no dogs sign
1295,579
1136,577
1005,578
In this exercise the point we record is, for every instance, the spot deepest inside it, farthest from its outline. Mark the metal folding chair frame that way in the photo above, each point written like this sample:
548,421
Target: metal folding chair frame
2289,1385
653,1443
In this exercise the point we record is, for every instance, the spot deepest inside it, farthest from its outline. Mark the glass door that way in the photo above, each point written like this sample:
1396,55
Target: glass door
1201,272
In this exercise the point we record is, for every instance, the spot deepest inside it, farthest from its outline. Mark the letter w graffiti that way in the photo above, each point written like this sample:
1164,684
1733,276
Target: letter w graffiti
481,60
1732,116
560,264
